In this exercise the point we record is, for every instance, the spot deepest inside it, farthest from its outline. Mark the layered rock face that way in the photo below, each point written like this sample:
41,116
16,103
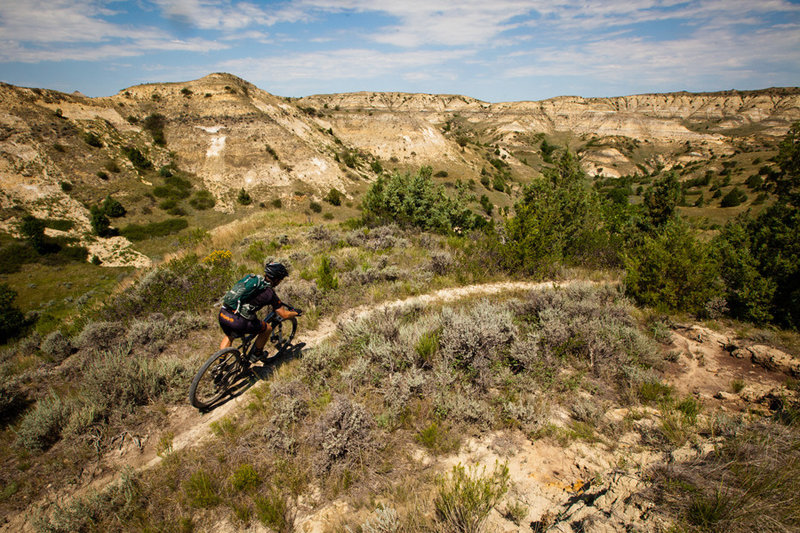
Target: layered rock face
704,122
233,135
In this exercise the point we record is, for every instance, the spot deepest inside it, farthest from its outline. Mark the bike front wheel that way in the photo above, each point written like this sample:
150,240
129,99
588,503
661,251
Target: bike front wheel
215,378
282,334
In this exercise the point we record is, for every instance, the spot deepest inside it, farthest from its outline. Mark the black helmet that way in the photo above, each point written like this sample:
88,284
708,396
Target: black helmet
275,272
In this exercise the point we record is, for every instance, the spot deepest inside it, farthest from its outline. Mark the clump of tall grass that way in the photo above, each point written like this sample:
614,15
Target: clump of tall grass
466,497
749,483
117,503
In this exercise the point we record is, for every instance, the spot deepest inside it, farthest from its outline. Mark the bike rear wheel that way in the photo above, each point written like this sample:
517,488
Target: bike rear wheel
282,334
215,378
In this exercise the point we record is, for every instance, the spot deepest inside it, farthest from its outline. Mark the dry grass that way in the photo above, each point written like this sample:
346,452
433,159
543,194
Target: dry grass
751,483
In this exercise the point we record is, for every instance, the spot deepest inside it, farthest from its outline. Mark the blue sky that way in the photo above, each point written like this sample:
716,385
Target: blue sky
494,50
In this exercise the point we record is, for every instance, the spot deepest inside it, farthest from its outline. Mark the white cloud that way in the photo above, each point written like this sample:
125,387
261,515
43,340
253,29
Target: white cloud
226,15
338,64
13,52
61,21
422,22
723,54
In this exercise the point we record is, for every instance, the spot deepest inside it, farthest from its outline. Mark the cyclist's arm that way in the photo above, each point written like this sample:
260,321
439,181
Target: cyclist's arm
285,313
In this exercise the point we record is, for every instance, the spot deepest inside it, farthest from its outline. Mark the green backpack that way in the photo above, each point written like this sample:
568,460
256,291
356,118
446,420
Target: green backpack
244,289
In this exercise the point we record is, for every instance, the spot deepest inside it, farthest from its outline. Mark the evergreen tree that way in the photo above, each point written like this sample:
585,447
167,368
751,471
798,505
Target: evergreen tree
33,230
100,223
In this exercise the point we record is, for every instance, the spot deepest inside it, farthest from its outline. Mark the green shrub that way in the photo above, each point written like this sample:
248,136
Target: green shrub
245,479
465,498
244,197
672,270
155,125
349,158
499,183
334,197
273,511
734,197
438,439
748,293
140,162
12,321
654,392
182,284
41,427
415,201
32,230
754,182
486,204
760,265
65,186
202,200
315,206
169,203
201,490
558,219
112,207
326,278
60,224
139,232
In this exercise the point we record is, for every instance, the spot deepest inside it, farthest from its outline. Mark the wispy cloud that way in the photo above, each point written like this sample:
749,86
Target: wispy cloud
62,21
422,23
226,15
104,52
357,64
718,53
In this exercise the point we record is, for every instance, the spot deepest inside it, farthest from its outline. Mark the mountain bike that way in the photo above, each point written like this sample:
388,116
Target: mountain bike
225,371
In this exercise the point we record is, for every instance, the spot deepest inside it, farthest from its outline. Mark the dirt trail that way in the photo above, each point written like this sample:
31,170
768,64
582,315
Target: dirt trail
191,428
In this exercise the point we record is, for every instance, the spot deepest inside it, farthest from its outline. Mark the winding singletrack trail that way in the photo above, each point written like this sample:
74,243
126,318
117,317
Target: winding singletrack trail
190,427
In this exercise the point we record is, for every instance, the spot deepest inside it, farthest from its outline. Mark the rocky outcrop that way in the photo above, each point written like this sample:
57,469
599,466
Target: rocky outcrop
770,358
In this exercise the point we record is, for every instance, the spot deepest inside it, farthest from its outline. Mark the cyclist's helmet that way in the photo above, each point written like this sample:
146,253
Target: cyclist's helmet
275,272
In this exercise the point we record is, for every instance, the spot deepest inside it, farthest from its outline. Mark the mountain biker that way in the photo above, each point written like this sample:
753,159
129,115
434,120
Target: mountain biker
235,325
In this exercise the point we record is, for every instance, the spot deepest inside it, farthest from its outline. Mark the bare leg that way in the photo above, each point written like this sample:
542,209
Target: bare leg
226,343
261,340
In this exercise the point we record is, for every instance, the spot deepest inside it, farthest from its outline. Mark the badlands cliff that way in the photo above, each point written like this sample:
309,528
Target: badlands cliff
231,135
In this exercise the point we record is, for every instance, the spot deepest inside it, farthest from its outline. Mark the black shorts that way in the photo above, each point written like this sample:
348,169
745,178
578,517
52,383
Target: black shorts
234,325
